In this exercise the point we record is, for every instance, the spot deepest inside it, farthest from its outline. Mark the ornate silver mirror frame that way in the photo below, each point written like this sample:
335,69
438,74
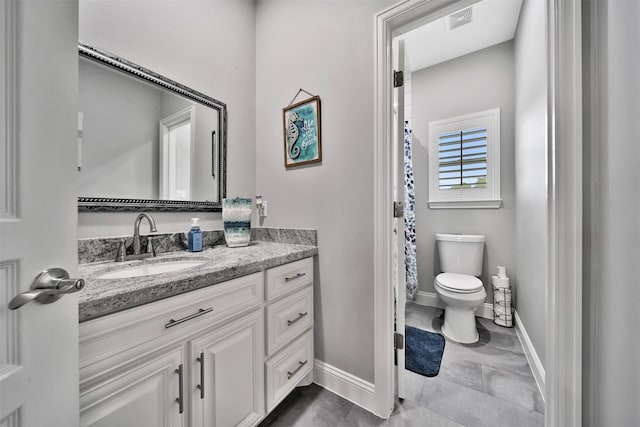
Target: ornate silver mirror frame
99,204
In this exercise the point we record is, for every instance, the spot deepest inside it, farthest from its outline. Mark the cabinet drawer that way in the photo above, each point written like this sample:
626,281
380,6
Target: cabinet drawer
289,277
288,318
287,368
112,341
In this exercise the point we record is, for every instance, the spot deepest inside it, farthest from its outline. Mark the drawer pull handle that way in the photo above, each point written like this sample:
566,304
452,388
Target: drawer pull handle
180,398
300,316
297,276
295,371
171,323
201,385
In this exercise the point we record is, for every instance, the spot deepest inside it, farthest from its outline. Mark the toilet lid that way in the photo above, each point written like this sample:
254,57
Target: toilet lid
461,283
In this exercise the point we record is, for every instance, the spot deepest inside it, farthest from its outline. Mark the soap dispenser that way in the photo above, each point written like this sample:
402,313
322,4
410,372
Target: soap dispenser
195,236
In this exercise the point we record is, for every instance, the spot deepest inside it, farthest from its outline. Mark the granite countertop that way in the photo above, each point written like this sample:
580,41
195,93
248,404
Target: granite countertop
101,297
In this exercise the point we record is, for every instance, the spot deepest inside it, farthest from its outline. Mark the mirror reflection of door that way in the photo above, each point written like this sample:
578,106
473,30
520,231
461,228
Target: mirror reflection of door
176,151
120,144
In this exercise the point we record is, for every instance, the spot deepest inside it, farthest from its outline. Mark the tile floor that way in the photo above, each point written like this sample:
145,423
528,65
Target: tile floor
488,383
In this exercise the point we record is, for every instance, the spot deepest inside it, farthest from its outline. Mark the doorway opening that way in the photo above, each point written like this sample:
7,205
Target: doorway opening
560,336
475,177
176,155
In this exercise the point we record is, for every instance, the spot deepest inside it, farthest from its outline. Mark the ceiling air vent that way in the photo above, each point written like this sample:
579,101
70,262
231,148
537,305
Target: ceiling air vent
459,19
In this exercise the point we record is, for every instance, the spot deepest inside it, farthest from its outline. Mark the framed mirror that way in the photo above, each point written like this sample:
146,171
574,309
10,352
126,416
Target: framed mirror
146,142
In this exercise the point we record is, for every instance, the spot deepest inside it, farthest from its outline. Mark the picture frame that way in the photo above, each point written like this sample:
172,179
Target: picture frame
302,132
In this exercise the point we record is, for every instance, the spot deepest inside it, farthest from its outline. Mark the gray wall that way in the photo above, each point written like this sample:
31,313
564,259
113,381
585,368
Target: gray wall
612,221
120,138
333,57
209,46
475,82
531,171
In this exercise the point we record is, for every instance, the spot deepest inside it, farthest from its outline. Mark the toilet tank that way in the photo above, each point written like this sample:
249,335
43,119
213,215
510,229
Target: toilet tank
461,253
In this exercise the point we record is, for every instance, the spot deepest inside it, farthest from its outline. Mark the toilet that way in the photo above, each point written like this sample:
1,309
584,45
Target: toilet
458,287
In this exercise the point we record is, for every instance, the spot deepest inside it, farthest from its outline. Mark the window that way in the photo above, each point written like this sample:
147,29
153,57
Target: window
464,166
462,157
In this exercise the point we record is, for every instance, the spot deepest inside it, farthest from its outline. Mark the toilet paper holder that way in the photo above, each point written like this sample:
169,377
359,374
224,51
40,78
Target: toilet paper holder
502,307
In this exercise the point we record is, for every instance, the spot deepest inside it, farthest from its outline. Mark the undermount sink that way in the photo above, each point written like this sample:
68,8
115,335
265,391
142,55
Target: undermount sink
150,269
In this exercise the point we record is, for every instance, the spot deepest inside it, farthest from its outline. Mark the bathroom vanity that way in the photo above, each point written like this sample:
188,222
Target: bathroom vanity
220,343
214,338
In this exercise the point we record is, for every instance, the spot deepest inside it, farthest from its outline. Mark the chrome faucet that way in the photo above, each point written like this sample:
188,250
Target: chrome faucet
136,231
121,255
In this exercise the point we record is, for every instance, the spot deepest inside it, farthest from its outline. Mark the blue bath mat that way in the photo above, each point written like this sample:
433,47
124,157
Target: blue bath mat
423,351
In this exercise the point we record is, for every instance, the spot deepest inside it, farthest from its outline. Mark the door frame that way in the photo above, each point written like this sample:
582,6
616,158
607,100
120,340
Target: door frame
399,266
166,123
563,383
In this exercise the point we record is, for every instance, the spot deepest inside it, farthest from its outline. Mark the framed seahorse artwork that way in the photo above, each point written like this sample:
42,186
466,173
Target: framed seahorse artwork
302,138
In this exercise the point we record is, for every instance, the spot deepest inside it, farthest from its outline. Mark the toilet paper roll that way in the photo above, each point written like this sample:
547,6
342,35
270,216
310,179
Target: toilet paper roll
502,302
507,323
502,271
500,282
503,318
502,308
501,296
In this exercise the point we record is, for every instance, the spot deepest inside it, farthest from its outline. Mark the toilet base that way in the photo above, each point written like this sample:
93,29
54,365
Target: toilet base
460,314
460,326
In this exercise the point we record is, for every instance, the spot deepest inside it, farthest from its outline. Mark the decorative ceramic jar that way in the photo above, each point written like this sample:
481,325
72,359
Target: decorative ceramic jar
236,216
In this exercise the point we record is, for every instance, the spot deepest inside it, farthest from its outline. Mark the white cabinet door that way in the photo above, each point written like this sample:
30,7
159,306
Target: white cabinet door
144,395
229,361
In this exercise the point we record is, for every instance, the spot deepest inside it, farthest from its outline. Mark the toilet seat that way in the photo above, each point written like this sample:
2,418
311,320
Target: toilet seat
459,283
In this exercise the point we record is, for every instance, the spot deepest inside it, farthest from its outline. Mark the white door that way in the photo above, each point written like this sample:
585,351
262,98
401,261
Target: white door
177,149
398,226
38,210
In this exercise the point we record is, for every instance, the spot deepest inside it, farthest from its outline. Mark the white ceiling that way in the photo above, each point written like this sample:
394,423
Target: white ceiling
493,22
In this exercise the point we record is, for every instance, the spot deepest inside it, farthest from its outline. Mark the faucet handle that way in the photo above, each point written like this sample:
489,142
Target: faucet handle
150,248
121,254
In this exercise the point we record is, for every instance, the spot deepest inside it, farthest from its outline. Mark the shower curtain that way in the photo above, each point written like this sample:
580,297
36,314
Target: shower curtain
409,219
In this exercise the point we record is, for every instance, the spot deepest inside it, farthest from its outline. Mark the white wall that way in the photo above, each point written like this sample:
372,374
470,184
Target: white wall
209,46
475,82
612,341
325,47
531,171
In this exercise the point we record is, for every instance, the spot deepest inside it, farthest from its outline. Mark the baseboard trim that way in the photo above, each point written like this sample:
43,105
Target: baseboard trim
354,389
530,352
431,299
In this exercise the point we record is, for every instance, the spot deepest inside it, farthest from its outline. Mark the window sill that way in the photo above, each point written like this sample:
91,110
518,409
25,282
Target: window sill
465,204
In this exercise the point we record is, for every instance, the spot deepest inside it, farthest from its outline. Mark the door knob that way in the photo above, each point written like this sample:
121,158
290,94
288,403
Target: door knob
48,287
